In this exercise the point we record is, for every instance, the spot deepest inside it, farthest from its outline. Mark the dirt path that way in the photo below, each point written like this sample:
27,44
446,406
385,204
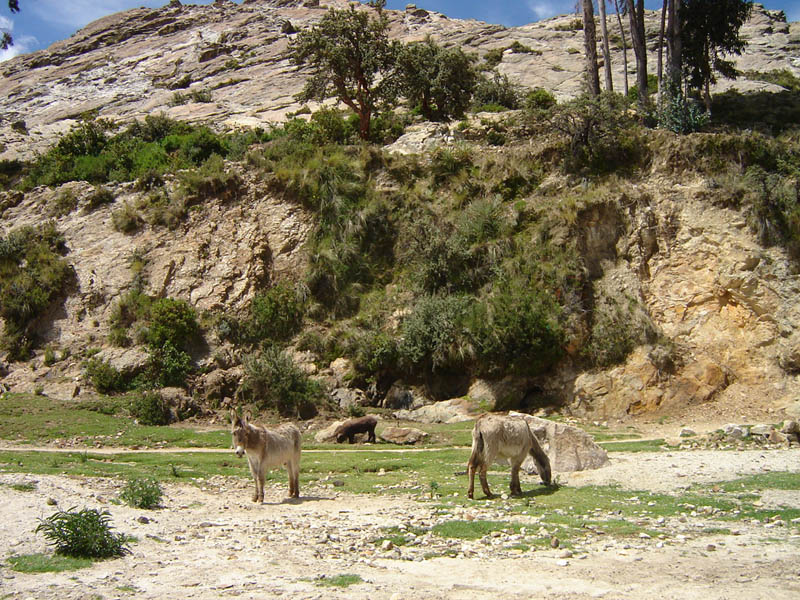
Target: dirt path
212,542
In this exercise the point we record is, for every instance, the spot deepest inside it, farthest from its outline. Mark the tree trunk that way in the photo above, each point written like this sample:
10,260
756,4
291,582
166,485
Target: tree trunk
639,48
675,66
590,44
364,116
660,65
606,51
624,45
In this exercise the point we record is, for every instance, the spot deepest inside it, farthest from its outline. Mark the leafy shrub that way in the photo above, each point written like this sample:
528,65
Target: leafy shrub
276,315
496,90
600,134
774,208
539,99
211,180
168,366
131,307
63,203
105,378
142,492
678,113
433,338
493,58
126,219
149,408
33,275
619,326
171,321
273,382
85,533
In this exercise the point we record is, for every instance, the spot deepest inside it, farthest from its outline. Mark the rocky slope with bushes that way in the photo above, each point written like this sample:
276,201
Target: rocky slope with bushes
496,259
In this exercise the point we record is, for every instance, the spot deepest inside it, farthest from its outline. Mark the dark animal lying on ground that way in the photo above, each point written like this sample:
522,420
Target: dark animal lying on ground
501,436
350,428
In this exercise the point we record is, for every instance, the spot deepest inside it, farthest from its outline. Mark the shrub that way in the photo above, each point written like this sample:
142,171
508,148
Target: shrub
149,408
498,90
171,321
493,58
126,219
273,382
620,324
99,197
168,366
276,315
211,180
33,275
539,99
85,533
105,378
142,492
678,113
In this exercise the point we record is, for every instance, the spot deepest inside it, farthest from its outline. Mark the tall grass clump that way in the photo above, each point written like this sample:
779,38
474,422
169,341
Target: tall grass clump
85,533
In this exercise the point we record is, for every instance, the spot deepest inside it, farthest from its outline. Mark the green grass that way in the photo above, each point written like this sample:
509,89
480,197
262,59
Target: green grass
22,487
777,480
341,581
46,563
473,530
634,446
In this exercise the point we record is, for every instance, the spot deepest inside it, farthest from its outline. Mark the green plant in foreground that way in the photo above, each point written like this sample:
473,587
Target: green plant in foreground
85,533
142,492
43,563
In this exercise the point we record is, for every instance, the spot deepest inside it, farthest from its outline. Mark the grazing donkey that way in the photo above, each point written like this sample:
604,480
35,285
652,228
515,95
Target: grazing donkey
349,429
500,436
267,448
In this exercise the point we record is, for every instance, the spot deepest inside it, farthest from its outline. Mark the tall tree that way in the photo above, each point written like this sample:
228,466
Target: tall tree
601,4
636,19
619,9
7,41
674,45
709,33
351,59
590,45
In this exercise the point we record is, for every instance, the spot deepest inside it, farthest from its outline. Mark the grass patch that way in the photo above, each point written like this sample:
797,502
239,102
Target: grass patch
341,581
778,480
22,487
473,530
634,446
46,563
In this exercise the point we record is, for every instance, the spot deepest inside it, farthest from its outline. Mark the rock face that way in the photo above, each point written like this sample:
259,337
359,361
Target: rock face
131,64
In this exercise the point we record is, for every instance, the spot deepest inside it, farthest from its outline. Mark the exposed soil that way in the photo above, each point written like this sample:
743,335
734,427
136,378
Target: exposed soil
211,542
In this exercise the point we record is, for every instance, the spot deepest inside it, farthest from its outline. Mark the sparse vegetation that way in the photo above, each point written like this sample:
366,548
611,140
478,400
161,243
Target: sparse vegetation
142,492
85,533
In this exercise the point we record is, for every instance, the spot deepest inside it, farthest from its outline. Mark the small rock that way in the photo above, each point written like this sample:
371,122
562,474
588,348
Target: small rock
711,547
144,520
554,542
52,502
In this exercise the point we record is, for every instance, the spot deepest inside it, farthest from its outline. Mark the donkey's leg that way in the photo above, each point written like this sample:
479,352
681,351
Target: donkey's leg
262,475
485,481
471,471
254,472
516,489
294,478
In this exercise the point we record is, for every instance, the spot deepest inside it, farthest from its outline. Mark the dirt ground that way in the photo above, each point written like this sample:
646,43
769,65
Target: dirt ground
211,542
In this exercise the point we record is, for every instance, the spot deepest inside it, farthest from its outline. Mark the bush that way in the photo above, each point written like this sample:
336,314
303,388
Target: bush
171,321
211,180
273,382
496,90
105,378
539,99
149,408
99,197
168,366
83,534
678,113
33,275
142,492
619,326
276,315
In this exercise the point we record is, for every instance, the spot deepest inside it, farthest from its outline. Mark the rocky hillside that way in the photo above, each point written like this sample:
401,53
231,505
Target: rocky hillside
133,63
726,307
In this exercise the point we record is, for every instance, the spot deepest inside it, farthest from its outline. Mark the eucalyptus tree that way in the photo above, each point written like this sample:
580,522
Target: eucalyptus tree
590,45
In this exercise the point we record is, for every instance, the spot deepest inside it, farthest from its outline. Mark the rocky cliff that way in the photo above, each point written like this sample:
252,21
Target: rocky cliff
728,303
132,63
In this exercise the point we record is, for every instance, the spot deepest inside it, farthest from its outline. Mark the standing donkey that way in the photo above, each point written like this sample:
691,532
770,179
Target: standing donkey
267,448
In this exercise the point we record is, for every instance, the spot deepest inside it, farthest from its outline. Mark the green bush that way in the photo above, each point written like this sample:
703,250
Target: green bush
275,315
273,382
171,321
105,378
33,275
99,197
84,534
497,90
142,492
539,99
211,180
168,366
149,408
619,325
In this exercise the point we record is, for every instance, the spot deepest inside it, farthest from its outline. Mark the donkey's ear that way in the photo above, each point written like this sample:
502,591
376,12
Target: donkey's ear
234,418
248,416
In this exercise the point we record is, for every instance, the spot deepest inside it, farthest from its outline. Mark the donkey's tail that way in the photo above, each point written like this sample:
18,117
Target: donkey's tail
540,458
476,458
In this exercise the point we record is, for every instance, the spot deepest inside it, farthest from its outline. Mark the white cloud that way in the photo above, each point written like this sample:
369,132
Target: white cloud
544,9
22,44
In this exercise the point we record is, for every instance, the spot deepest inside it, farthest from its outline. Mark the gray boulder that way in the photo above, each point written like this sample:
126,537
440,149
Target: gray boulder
402,435
447,411
567,447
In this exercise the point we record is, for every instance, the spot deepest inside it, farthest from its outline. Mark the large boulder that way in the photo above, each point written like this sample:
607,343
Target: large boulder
447,411
402,435
328,434
348,397
567,447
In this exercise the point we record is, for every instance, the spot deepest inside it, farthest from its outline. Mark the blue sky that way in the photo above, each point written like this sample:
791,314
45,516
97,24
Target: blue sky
42,22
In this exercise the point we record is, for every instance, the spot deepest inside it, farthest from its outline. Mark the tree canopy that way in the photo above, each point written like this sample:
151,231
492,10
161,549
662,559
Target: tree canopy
440,80
7,41
352,59
709,33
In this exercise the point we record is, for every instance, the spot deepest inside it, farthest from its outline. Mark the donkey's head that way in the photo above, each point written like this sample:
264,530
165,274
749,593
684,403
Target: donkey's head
239,432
